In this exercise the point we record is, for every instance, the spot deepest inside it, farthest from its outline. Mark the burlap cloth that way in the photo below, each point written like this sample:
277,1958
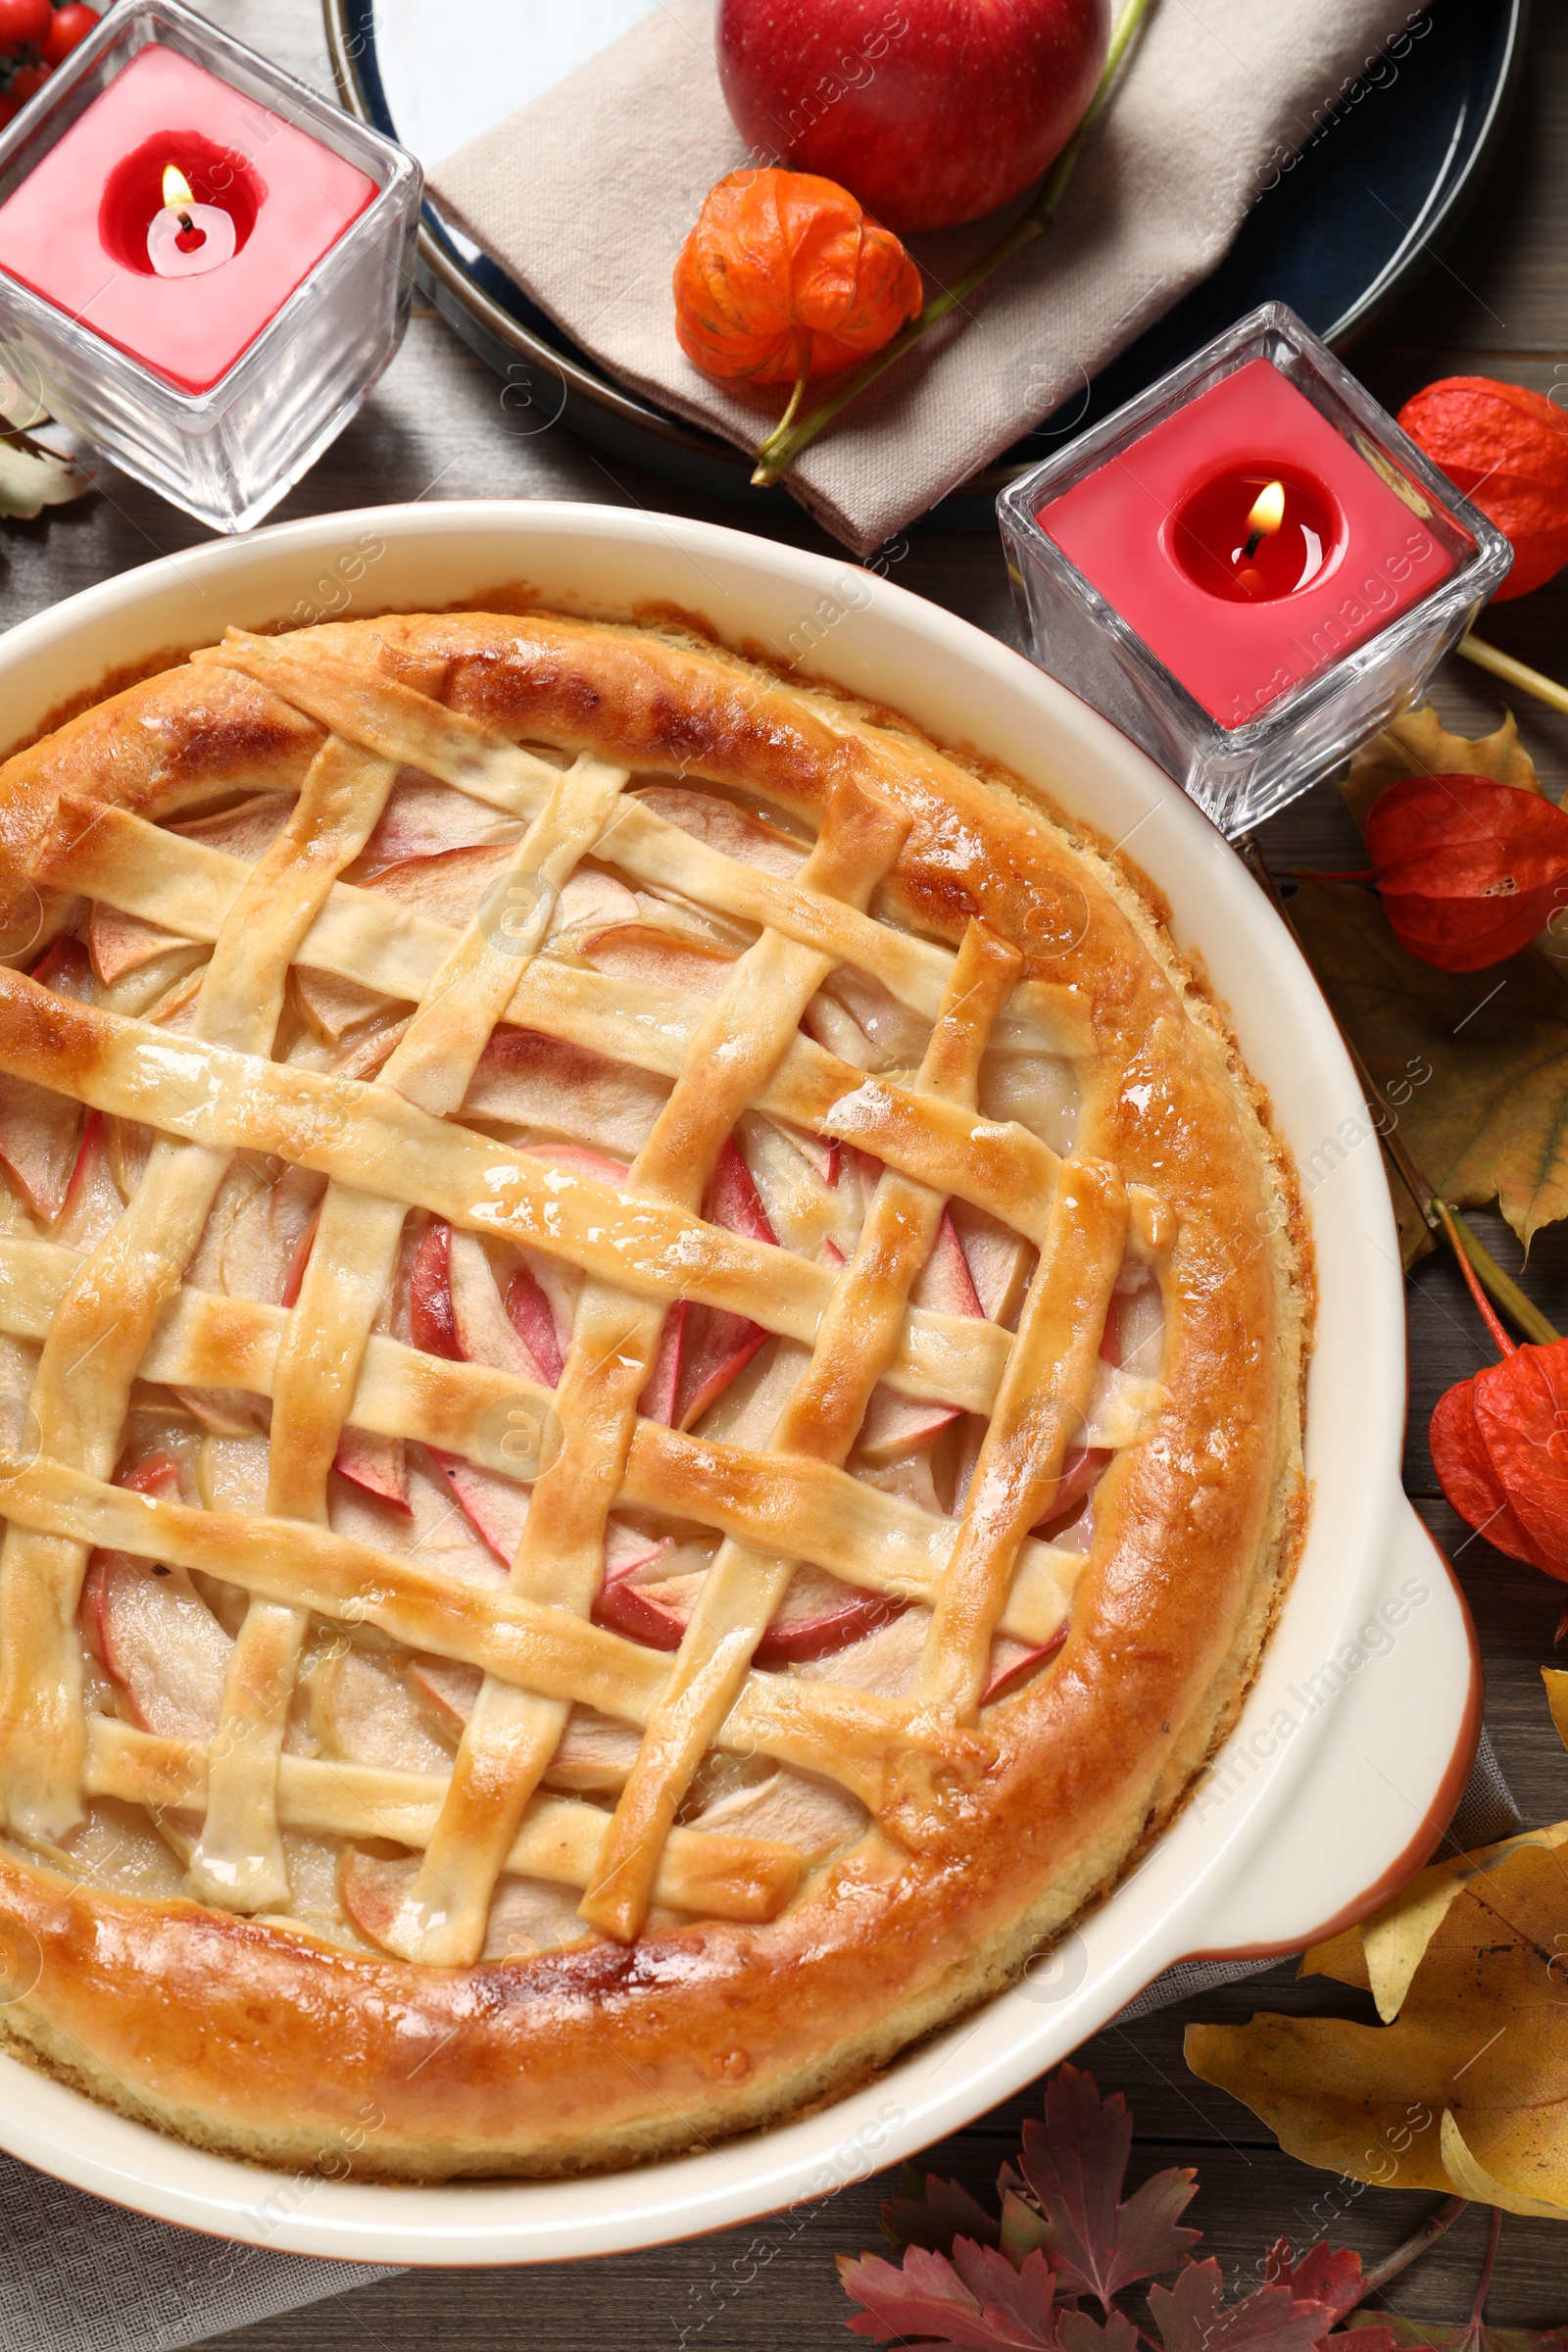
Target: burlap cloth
585,197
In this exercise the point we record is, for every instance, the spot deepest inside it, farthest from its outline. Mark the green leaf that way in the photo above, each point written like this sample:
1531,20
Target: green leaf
1473,1064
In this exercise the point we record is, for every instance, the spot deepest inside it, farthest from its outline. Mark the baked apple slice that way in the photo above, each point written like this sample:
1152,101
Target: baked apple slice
92,1203
122,943
819,1616
724,827
532,1081
39,1135
152,1633
702,1349
896,1425
676,965
527,1916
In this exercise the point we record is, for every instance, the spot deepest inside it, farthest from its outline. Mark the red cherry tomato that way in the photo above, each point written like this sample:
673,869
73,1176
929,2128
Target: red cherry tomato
23,25
27,82
70,26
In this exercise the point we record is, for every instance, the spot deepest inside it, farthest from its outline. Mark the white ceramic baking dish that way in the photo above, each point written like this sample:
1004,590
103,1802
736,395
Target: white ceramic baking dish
1353,1744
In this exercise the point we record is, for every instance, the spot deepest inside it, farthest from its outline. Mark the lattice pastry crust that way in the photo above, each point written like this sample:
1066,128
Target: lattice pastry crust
652,1369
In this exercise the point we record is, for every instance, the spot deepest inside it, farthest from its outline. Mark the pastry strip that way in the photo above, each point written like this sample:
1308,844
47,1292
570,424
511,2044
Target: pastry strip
185,886
408,727
90,1356
368,1137
815,1512
745,1587
845,1735
559,1838
1038,1412
511,1736
238,1861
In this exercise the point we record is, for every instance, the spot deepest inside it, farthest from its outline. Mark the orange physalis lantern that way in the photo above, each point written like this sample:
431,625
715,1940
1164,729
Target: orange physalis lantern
784,278
1507,449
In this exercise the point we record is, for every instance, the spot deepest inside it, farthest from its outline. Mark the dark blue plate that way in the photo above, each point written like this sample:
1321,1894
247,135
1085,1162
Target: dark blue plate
1342,238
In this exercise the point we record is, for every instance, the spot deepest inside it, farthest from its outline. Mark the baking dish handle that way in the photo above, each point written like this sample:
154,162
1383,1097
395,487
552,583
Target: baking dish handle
1384,1789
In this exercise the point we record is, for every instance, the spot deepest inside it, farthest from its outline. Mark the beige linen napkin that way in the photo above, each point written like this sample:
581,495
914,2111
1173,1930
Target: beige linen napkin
586,195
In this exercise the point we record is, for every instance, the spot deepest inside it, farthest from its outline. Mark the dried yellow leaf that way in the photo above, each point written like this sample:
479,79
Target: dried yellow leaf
1467,2088
1420,744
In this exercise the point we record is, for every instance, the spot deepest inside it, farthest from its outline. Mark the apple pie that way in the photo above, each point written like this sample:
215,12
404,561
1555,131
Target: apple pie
653,1376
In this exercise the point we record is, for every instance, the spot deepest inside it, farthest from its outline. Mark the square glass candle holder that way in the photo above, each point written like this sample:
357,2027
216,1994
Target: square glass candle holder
204,266
1249,570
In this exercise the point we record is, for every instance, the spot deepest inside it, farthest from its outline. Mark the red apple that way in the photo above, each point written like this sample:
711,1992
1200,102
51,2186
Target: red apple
931,112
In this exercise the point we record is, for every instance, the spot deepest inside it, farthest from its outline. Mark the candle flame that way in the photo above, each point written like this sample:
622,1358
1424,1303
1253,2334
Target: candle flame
177,188
1268,509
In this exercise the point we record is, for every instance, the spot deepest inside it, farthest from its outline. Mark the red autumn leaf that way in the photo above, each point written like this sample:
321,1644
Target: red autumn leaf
1468,869
1076,2332
977,2299
1190,2316
1074,2165
1332,2277
1507,449
1328,2274
1019,2297
931,2211
784,278
1500,1447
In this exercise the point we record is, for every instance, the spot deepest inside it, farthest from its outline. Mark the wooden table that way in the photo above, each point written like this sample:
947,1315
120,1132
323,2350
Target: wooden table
436,429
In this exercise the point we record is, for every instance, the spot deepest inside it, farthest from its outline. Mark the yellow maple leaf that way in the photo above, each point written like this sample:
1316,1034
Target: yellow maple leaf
1420,744
1464,2087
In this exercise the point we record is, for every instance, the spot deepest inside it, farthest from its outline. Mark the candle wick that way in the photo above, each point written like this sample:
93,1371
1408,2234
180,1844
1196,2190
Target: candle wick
1254,542
185,222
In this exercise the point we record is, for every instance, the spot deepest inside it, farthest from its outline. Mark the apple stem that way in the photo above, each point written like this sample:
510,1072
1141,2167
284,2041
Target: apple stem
784,444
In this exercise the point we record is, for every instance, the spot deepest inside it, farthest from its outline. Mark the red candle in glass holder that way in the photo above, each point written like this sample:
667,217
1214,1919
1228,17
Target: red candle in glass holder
176,216
1247,543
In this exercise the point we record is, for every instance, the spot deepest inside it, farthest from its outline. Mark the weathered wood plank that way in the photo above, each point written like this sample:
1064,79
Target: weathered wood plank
435,428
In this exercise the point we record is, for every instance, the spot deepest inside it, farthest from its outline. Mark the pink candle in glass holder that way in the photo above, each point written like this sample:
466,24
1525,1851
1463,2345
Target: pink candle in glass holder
176,216
1248,542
